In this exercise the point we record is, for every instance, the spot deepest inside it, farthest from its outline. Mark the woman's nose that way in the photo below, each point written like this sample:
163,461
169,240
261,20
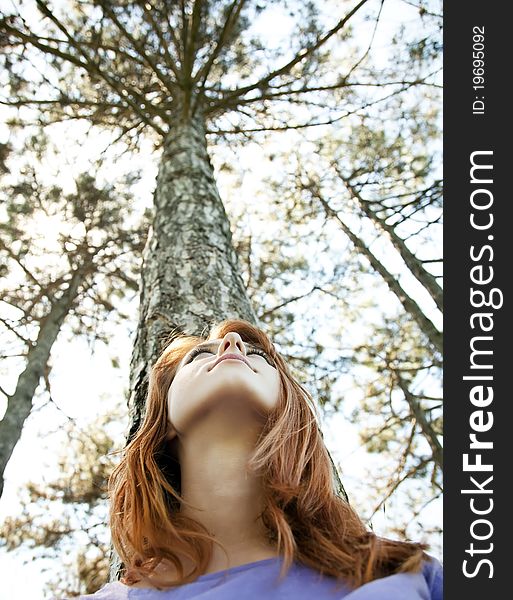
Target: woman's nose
232,343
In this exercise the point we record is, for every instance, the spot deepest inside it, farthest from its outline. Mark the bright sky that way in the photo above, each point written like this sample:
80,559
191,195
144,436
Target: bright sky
84,384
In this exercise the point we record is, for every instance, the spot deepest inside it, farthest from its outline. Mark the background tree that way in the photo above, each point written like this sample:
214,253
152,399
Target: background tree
66,257
65,519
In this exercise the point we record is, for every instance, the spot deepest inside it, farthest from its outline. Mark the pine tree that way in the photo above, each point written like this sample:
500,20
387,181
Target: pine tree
181,73
67,257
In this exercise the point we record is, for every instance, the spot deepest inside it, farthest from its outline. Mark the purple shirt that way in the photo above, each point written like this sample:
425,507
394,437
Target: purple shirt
258,580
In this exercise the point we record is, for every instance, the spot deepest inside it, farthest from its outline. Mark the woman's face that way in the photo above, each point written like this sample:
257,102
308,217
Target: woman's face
225,373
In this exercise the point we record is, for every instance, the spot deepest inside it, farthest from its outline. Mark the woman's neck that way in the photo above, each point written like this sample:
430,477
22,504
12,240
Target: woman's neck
220,492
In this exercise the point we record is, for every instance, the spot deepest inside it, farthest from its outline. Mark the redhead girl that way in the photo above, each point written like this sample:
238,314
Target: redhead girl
227,490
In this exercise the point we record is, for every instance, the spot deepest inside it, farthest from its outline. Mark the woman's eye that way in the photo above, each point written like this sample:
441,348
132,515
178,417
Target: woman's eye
264,356
196,354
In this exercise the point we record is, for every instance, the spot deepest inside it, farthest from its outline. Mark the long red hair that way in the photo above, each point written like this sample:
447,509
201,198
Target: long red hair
305,518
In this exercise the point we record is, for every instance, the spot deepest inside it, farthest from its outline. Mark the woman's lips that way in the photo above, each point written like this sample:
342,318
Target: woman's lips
233,356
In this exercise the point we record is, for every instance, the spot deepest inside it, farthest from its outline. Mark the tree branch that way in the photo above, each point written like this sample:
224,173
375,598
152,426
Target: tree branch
412,262
285,302
169,85
230,21
224,101
409,304
148,13
394,485
299,57
123,90
420,417
19,262
304,125
366,53
193,37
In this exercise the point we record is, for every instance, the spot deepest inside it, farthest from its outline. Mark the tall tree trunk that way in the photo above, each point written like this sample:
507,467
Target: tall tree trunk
20,403
412,262
191,274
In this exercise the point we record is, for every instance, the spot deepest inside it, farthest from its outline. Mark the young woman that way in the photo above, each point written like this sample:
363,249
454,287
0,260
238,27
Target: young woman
227,490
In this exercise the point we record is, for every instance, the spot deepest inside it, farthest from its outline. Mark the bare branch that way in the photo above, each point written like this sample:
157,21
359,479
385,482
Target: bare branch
411,261
169,85
420,417
285,302
226,102
18,261
423,10
366,53
424,505
2,391
399,480
300,56
231,19
148,13
126,92
409,304
304,125
60,102
193,35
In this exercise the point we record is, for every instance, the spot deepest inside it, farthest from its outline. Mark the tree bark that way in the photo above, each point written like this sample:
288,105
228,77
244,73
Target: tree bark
191,274
20,403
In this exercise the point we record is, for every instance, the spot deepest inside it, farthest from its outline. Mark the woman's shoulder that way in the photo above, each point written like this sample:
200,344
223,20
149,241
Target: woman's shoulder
110,591
427,584
424,585
433,573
